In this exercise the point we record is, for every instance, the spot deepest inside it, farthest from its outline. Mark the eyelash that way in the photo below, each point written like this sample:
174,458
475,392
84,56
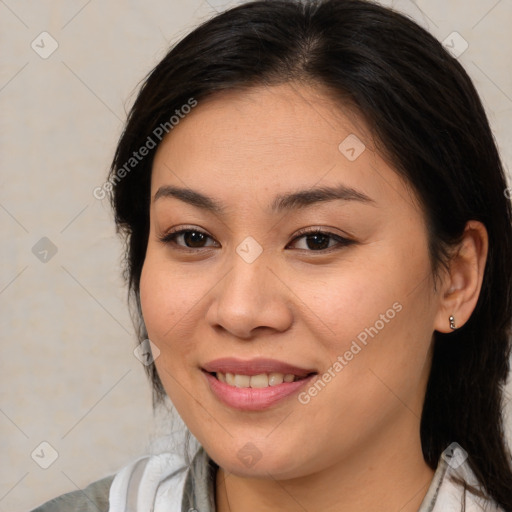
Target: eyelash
170,238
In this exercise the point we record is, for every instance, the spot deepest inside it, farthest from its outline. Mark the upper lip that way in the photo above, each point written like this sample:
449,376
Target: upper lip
254,367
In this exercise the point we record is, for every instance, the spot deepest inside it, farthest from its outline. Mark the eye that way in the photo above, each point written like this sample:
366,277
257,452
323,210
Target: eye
316,240
191,238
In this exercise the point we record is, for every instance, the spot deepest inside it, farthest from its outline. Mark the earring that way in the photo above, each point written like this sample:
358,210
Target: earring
452,322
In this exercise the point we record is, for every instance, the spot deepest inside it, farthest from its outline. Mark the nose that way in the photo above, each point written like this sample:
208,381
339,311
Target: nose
251,298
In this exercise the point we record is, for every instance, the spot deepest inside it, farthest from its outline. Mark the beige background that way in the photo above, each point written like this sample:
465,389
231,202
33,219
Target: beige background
68,373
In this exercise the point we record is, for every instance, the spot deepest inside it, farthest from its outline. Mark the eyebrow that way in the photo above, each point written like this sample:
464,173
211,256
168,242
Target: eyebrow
282,202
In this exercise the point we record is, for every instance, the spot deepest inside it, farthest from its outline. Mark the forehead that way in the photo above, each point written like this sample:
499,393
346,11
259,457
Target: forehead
266,140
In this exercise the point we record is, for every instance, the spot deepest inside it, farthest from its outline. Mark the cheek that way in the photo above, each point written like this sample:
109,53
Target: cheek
171,302
378,318
165,314
347,301
166,295
157,309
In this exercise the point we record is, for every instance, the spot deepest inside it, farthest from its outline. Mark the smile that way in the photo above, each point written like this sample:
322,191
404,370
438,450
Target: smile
246,394
261,380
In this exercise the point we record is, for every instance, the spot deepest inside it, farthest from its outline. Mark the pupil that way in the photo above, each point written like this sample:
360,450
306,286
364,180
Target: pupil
191,240
317,237
194,239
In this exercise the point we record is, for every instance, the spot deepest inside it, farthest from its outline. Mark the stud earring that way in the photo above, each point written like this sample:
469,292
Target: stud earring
452,322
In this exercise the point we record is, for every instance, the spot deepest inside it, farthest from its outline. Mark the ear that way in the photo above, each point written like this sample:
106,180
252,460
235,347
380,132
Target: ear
461,287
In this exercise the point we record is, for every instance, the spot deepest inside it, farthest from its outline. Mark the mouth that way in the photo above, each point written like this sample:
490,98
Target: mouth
271,368
256,384
261,380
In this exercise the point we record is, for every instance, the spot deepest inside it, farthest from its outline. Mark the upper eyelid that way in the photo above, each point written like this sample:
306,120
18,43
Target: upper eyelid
301,233
181,231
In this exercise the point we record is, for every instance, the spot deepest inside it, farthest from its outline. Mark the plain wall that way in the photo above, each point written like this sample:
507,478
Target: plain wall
69,376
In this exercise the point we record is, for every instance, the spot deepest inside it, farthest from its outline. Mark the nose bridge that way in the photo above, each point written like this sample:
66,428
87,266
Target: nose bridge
249,296
246,281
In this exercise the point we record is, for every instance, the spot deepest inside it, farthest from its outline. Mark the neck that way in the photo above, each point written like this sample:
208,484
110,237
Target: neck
387,476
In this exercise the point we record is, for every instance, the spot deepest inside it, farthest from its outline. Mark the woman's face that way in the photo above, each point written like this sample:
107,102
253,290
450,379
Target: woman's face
244,291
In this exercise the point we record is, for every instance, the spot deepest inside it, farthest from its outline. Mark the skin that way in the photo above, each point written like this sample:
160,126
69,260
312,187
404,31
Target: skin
297,303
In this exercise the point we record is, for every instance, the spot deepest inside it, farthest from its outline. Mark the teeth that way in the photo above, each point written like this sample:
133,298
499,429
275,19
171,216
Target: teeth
259,381
262,380
242,381
275,378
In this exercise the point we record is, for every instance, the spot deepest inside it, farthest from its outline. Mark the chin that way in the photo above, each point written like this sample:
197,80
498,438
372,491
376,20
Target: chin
250,462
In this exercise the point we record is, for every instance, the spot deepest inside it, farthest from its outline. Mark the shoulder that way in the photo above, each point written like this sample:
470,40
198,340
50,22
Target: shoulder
94,498
166,481
143,481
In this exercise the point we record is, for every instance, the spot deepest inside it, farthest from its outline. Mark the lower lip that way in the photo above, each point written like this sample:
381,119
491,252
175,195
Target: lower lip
253,399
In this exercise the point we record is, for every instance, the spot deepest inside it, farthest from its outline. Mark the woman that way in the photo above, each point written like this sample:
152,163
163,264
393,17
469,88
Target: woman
318,247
